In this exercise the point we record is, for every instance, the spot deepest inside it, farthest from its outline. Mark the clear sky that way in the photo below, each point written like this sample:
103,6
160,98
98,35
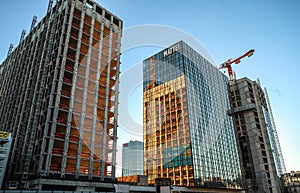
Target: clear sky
226,28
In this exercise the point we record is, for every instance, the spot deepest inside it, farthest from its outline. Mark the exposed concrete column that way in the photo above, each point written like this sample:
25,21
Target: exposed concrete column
56,108
107,87
49,113
92,137
66,144
83,105
115,129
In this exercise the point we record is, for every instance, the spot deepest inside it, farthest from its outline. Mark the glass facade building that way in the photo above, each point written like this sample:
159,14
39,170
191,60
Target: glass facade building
132,158
188,136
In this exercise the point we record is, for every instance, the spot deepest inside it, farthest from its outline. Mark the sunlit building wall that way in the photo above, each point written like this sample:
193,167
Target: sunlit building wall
188,136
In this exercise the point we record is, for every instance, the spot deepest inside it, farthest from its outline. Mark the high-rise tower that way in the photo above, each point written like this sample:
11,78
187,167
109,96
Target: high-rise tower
132,158
255,133
188,136
59,98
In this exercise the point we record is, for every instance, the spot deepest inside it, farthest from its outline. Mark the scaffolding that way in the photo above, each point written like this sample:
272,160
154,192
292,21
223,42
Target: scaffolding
274,139
59,95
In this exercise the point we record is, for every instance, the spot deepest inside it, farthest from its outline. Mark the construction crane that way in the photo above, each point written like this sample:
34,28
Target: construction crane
237,60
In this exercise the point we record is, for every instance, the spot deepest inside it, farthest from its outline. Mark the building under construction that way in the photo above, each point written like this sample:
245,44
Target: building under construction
59,99
260,154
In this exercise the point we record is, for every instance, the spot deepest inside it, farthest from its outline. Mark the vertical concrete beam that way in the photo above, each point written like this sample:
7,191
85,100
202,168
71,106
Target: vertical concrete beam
106,103
56,109
49,109
83,106
94,109
115,129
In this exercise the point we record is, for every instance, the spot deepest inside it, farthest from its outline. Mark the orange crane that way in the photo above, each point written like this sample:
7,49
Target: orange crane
237,60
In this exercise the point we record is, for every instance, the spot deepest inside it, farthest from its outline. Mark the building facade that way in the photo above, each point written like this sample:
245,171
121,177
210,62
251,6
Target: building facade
59,98
133,158
5,144
291,182
188,136
251,115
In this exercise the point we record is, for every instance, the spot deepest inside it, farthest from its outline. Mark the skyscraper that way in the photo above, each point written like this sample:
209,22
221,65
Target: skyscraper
132,158
255,135
188,136
59,98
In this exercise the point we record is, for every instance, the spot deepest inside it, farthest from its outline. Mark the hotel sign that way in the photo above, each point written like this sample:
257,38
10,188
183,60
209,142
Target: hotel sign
171,50
4,135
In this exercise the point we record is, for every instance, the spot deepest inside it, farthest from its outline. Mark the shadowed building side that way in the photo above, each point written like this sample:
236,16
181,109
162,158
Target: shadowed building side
250,114
59,98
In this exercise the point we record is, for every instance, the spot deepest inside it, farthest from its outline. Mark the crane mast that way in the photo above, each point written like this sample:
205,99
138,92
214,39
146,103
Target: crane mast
237,60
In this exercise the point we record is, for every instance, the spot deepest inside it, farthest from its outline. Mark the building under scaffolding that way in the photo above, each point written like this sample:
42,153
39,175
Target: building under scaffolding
59,98
259,148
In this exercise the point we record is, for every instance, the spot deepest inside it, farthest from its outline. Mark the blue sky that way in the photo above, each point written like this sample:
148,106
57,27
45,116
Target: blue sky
226,29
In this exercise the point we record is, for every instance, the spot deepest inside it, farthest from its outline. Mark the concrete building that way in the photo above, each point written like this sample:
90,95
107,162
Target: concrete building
251,116
133,158
291,182
59,99
5,144
188,136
